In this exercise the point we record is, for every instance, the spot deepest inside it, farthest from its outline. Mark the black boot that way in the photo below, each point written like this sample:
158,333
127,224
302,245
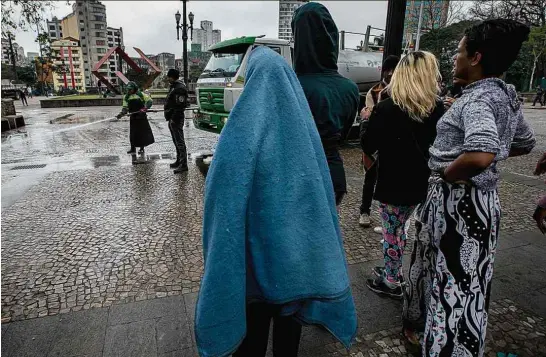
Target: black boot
181,168
175,164
132,151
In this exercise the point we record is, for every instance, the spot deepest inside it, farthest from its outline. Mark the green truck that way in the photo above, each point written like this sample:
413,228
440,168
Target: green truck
222,80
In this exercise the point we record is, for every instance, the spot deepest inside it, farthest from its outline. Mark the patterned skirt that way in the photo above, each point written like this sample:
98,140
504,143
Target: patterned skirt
449,280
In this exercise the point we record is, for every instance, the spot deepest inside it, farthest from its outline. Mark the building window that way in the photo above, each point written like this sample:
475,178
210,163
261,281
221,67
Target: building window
80,13
52,34
101,43
61,34
85,61
99,18
52,27
110,45
101,50
83,38
99,26
109,33
99,34
82,29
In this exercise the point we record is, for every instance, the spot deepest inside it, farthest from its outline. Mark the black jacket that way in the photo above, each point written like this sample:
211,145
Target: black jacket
176,101
402,145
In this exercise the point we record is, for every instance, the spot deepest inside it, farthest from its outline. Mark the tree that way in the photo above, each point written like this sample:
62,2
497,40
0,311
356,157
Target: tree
537,46
531,12
443,43
32,13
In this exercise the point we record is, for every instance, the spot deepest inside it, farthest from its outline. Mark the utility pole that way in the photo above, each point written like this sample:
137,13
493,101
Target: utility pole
12,56
185,42
342,39
396,13
419,24
367,38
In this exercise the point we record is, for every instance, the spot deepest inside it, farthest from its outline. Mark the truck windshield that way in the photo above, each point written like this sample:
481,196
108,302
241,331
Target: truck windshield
223,65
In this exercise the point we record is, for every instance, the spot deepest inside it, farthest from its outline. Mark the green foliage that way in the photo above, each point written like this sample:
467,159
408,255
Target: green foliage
25,74
443,43
24,14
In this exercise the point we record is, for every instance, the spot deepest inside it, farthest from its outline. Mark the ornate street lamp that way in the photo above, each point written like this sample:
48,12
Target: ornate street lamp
184,27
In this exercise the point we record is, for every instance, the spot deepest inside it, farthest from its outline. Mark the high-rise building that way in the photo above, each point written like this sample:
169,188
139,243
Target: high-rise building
206,36
68,59
87,23
435,13
54,29
286,11
18,51
115,39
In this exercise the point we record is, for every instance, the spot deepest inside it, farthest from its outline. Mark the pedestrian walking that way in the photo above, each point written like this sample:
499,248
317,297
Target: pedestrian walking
23,95
457,227
372,98
333,99
271,237
140,132
401,130
29,91
538,97
175,104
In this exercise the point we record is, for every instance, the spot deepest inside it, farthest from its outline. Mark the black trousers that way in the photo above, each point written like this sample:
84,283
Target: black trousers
286,332
176,126
538,98
24,101
367,190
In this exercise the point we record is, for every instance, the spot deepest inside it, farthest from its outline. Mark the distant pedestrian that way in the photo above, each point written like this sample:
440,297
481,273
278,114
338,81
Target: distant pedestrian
333,99
29,91
140,132
175,105
23,95
457,227
372,98
538,96
271,237
401,130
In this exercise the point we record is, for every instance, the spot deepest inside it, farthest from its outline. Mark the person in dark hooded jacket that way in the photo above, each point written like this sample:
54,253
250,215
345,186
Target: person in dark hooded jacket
333,99
175,104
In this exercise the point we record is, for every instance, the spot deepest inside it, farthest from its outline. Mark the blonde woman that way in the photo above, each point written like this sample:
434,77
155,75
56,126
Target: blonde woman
400,131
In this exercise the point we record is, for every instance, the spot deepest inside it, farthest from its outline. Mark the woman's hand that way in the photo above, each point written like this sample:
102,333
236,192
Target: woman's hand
365,113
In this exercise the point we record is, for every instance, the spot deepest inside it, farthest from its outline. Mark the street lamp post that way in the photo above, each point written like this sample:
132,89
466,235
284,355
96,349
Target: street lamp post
185,29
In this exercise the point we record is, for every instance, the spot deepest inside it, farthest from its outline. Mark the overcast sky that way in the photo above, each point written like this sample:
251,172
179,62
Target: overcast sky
150,25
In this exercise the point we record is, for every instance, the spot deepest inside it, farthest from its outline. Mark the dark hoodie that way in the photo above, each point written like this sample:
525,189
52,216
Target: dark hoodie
333,99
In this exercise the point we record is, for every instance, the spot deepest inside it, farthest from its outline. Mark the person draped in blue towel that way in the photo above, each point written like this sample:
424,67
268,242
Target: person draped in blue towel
271,237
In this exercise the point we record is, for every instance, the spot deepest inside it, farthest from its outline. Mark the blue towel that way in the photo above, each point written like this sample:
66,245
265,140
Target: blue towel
270,229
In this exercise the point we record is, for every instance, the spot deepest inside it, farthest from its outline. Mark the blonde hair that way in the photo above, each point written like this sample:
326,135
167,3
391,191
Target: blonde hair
414,84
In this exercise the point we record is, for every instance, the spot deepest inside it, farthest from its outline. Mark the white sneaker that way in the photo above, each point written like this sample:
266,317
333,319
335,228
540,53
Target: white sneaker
378,230
364,220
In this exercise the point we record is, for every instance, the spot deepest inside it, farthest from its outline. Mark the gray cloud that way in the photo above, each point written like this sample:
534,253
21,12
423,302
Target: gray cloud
150,25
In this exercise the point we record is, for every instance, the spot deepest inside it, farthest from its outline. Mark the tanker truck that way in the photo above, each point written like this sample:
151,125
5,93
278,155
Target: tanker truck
222,80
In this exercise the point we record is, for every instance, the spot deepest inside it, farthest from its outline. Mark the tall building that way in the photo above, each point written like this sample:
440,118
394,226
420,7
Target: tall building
87,23
435,13
54,29
68,59
19,52
31,56
286,11
115,39
206,36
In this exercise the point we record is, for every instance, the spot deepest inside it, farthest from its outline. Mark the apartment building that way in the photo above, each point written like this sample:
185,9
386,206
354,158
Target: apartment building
68,60
286,11
206,36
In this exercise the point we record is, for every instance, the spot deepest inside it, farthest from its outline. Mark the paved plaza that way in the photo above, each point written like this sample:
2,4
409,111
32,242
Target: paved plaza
101,253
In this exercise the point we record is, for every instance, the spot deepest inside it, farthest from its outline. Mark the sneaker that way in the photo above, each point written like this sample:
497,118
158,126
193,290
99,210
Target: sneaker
378,271
141,151
379,285
364,220
378,230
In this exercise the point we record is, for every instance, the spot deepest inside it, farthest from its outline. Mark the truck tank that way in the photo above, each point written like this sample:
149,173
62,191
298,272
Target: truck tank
363,68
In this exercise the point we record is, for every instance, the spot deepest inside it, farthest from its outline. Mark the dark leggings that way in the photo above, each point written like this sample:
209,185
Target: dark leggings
286,332
367,190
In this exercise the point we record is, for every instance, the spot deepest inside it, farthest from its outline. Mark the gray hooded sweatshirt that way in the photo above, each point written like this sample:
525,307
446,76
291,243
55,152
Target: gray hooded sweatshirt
486,118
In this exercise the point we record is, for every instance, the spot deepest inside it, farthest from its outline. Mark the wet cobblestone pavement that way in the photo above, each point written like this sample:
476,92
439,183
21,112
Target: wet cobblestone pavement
85,228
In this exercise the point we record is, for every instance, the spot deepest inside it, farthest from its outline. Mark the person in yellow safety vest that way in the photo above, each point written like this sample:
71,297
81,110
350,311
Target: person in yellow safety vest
137,103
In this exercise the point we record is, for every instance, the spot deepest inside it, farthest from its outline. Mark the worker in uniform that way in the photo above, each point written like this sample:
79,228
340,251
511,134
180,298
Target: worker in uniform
175,104
137,103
